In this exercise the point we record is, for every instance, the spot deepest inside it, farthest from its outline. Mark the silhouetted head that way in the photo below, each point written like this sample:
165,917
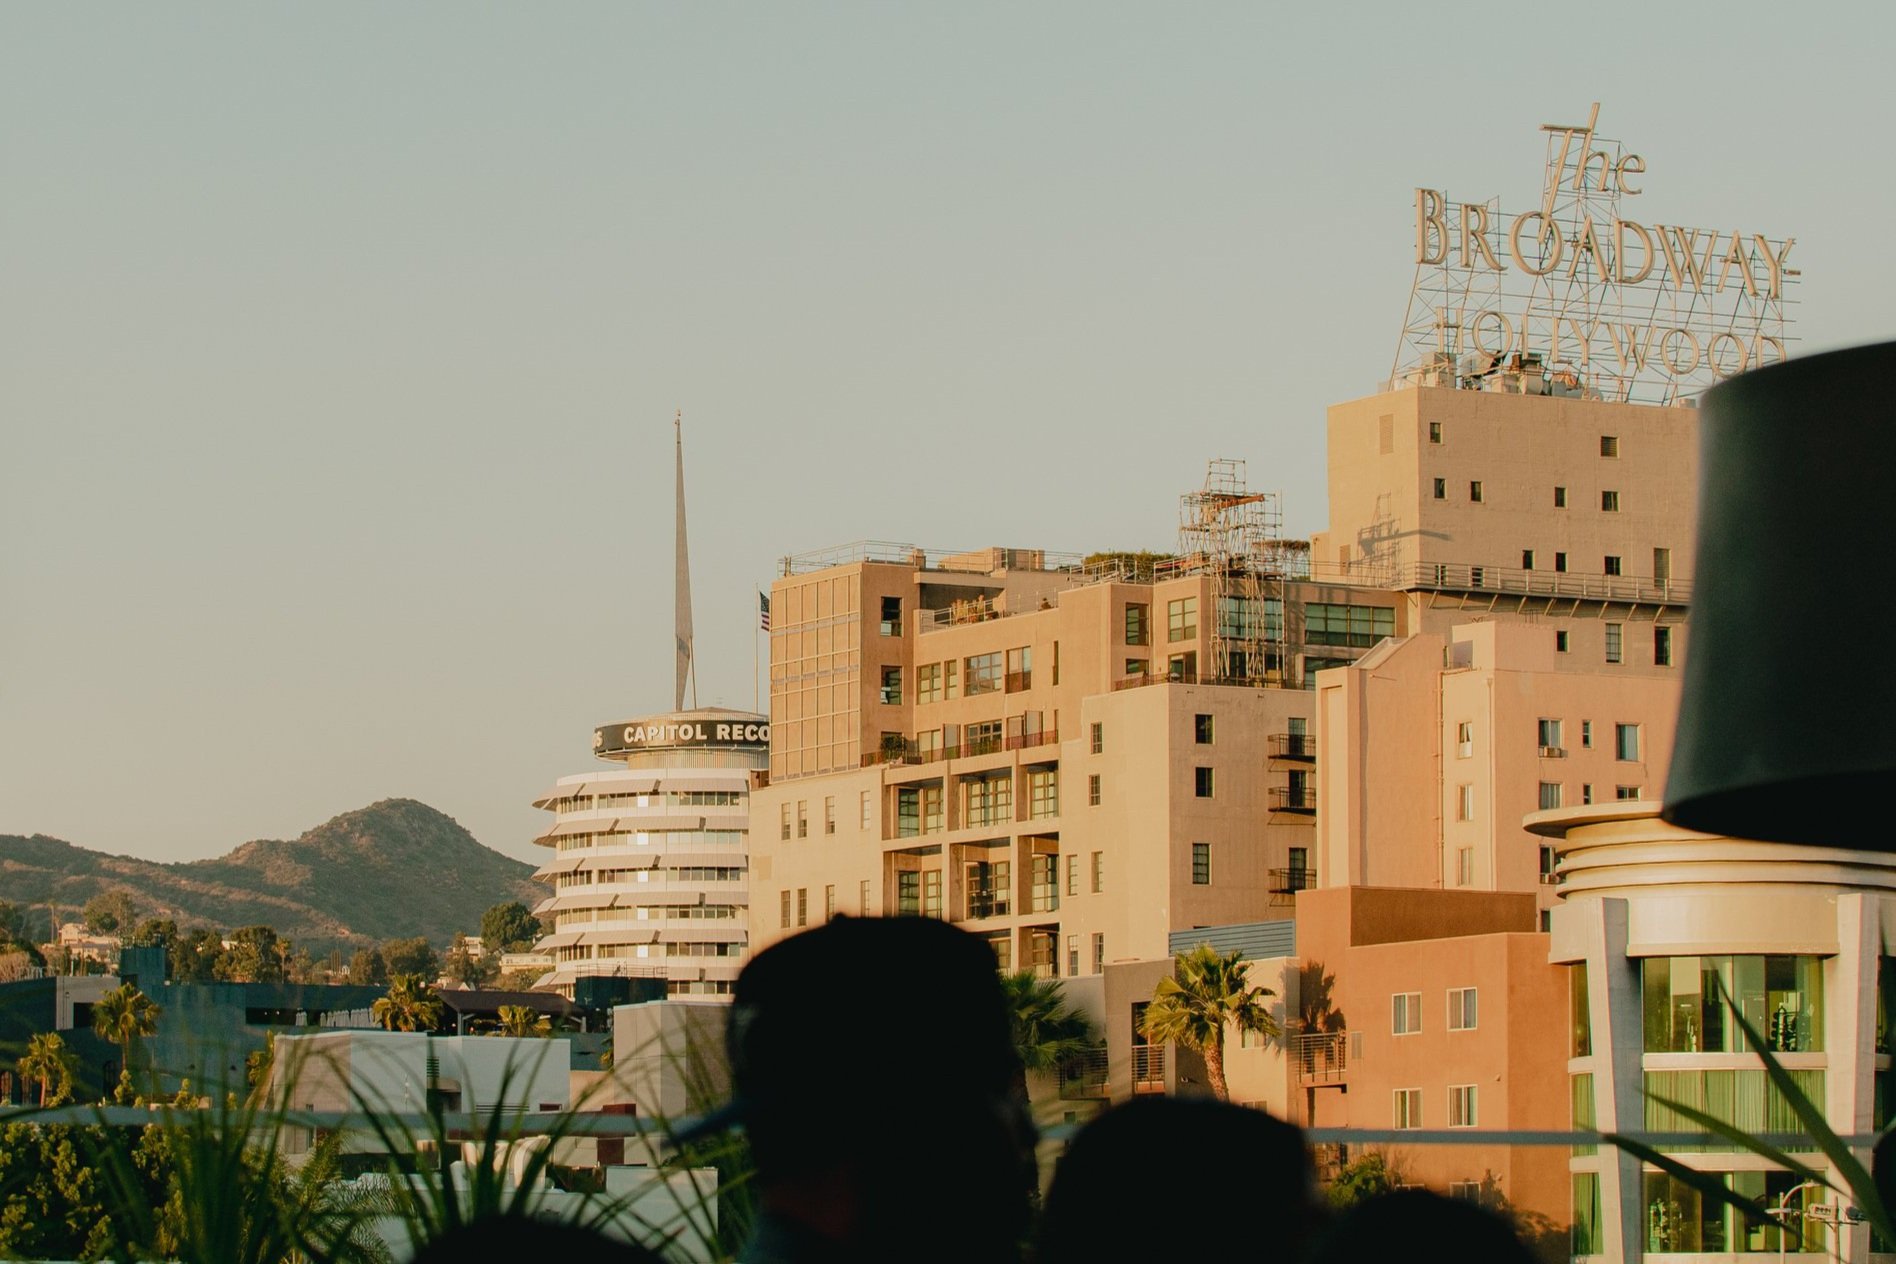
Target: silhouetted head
873,1069
1397,1226
524,1238
1245,1175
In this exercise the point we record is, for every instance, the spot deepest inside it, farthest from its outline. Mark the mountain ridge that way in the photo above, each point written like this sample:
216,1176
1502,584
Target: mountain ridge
394,869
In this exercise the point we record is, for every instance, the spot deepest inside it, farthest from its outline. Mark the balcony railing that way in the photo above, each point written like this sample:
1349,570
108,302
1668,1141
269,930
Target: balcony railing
908,751
1320,1057
1084,1075
1299,799
1015,682
1290,881
1298,746
1148,1068
1457,577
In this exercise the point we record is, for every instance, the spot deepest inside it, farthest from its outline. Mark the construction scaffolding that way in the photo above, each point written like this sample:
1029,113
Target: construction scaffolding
1234,535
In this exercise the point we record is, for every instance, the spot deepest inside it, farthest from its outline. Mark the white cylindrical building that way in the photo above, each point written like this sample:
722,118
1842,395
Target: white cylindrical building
649,859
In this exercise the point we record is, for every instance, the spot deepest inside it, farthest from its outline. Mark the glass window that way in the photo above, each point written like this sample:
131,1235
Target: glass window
1099,872
1201,782
1464,740
1461,1106
1680,1219
1092,790
891,616
1474,491
1588,1236
1780,996
1441,489
1626,741
891,692
1099,737
1579,1011
951,678
1610,565
931,893
1043,793
1073,874
1662,646
932,799
1560,498
1550,795
1609,445
928,682
989,885
1527,559
1043,883
1435,432
1020,669
1465,802
1550,734
784,909
1201,730
1586,734
1461,1009
1181,619
988,800
1610,502
1560,642
803,906
1465,866
984,738
1099,952
1357,626
1407,1108
1560,563
908,811
1138,623
985,673
1613,631
1405,1013
1201,864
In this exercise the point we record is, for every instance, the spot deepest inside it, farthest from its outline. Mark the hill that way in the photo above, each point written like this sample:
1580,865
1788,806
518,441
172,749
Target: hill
391,870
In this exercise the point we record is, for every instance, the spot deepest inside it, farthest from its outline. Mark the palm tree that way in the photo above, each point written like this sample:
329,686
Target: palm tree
1046,1033
49,1061
123,1014
1317,1015
522,1020
411,1005
1207,992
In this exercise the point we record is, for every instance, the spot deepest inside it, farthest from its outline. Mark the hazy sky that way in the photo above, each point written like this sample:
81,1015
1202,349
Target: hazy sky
339,344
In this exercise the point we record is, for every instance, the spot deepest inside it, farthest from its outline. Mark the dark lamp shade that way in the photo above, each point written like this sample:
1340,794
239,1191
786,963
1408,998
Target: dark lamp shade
1787,727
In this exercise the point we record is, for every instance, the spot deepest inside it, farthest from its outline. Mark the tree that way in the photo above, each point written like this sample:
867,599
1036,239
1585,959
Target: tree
1207,992
199,956
411,1005
467,969
110,912
523,1020
1317,1015
509,927
411,956
13,923
1047,1034
122,1015
367,967
1368,1177
256,955
49,1063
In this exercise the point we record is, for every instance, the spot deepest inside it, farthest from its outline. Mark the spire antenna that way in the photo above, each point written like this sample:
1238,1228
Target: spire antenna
681,598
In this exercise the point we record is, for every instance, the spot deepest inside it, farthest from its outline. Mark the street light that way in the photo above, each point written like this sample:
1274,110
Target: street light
1783,1212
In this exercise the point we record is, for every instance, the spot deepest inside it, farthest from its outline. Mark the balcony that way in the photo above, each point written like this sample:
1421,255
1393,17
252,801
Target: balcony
1148,1068
1301,800
907,751
1301,747
1015,682
1083,1076
1291,881
1320,1057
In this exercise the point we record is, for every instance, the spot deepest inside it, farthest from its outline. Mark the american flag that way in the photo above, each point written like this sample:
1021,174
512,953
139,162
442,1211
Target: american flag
763,611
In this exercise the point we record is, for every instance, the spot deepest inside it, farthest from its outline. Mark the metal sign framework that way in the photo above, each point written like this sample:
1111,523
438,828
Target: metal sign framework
1573,299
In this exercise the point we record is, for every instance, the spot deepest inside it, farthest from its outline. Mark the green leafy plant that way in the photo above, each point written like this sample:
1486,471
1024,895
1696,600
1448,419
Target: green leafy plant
1206,993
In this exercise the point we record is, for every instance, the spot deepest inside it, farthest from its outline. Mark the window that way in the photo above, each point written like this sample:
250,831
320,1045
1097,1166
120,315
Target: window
829,814
1662,646
1357,626
1407,1111
1073,873
1464,866
1609,445
931,893
1613,642
1549,795
829,903
1560,563
784,823
1183,667
984,673
1092,790
988,800
1465,802
863,808
951,678
1405,1010
1625,793
1201,864
1474,491
1441,489
1043,793
1201,782
1662,566
1560,642
932,799
1626,742
1527,559
1560,498
1610,502
1056,662
1461,1009
891,692
1299,869
1099,952
908,811
862,897
1461,1105
784,909
990,888
1181,619
928,682
1201,730
1548,865
891,616
1465,1191
1099,737
1020,669
1782,996
1073,956
1586,734
984,738
1464,740
1043,883
1435,432
1138,624
803,818
1550,734
1099,872
1610,564
1586,793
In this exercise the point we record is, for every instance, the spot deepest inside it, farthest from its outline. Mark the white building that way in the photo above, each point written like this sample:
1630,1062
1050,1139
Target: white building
650,869
1654,922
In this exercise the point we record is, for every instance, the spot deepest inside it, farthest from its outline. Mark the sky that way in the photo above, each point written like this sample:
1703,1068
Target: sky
340,344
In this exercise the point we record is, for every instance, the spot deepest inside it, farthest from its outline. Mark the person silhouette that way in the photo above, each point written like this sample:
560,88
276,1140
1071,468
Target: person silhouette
873,1072
1249,1175
1396,1225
